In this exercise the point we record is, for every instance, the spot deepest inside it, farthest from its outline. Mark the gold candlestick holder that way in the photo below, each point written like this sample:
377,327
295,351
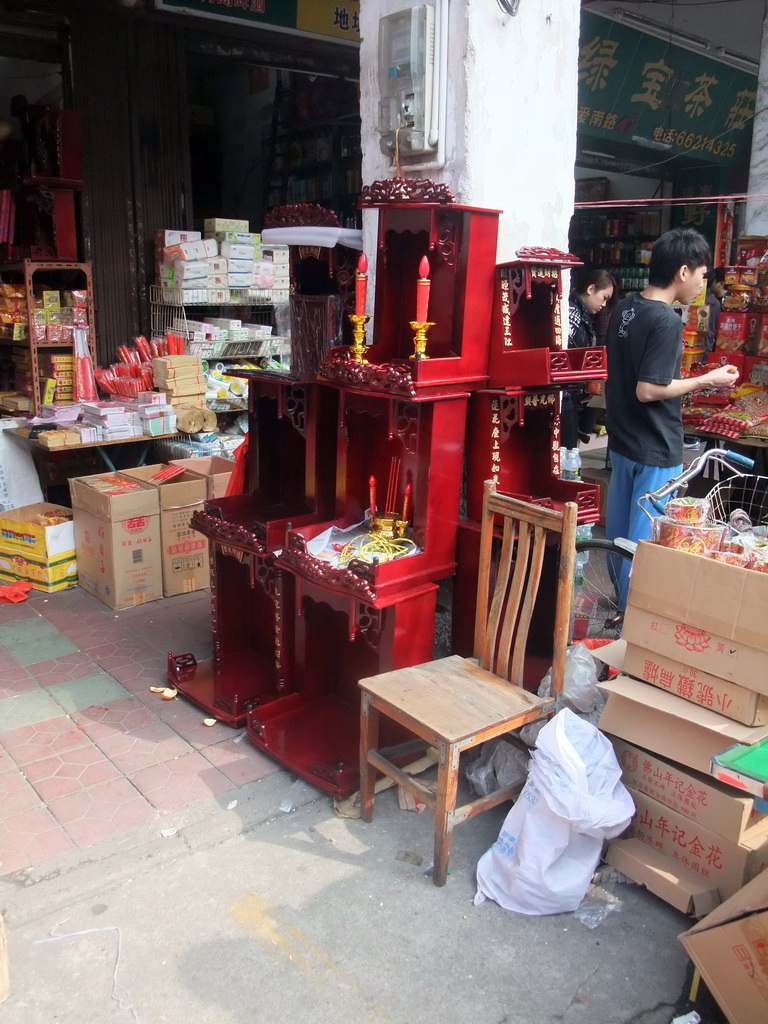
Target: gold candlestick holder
420,339
358,333
388,525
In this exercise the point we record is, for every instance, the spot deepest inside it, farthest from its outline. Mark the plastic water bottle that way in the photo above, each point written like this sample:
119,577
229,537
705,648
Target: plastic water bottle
562,463
571,466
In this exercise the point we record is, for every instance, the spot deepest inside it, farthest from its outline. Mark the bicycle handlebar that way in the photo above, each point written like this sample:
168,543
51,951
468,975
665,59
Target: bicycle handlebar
731,460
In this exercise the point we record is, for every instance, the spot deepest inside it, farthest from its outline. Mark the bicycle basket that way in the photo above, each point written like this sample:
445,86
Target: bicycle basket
749,493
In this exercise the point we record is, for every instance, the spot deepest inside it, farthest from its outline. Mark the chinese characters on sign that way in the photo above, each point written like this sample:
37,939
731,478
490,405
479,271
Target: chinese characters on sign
635,87
315,17
495,435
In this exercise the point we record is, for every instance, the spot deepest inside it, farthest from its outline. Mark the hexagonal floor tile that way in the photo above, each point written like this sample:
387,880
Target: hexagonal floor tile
142,747
67,773
181,782
43,739
240,762
30,837
98,813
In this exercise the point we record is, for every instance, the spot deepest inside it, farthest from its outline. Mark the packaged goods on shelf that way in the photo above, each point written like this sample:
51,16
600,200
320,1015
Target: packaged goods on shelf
276,253
237,251
238,265
263,274
238,280
251,238
212,225
193,270
223,323
168,237
191,251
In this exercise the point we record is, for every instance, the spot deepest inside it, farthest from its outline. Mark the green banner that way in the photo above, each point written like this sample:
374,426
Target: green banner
644,91
313,17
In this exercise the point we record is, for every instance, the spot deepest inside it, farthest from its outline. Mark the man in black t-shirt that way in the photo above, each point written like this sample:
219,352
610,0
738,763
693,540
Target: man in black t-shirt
644,387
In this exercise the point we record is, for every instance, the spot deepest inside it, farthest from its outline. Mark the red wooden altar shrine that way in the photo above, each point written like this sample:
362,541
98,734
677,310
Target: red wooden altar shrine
376,446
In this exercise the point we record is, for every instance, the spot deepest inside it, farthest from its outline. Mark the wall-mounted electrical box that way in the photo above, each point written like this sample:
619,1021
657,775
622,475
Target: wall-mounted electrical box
406,80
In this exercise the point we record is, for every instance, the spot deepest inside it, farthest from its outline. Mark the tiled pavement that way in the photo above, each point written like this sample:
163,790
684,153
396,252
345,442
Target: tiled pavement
87,753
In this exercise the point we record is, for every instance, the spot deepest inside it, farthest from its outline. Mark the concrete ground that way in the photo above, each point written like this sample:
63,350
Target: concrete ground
248,914
149,875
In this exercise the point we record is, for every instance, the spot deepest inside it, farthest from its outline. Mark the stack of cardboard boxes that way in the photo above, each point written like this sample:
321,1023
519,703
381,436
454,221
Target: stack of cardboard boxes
229,257
183,381
133,536
695,641
132,530
37,544
694,637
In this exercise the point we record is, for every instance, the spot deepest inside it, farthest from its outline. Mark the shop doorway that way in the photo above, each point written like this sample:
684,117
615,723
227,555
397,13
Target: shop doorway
262,137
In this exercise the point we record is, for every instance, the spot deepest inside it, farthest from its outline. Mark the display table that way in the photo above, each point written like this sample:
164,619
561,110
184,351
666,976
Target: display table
55,466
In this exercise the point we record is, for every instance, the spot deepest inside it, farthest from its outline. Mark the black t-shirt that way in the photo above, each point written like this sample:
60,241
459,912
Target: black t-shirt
644,343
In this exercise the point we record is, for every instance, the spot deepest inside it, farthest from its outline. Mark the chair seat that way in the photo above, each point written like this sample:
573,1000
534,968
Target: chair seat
454,698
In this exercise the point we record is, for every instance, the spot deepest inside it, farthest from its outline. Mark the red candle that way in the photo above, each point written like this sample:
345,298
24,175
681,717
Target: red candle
422,291
372,494
361,284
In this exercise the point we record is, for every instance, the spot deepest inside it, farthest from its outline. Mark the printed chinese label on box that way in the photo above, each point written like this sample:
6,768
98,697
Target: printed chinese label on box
707,614
659,721
730,948
696,686
697,848
117,537
37,544
698,797
185,561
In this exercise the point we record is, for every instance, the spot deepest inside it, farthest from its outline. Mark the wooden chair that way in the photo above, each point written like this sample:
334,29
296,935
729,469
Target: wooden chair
458,703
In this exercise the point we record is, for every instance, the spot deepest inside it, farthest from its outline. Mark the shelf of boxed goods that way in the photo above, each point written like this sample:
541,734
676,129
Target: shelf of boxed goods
42,329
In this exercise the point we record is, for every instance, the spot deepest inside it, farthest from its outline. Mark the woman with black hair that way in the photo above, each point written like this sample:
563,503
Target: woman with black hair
597,290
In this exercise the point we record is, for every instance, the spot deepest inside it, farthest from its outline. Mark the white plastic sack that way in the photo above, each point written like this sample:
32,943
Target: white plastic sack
552,838
19,484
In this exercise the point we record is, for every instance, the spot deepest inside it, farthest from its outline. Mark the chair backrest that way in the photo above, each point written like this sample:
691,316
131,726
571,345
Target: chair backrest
505,604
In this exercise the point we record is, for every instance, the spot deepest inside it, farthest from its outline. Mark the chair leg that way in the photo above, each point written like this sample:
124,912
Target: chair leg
447,785
369,740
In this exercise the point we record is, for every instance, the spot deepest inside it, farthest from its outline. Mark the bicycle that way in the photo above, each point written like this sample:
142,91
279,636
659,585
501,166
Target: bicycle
597,613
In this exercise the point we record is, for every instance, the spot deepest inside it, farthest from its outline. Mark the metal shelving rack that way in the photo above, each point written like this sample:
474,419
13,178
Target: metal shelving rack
169,309
29,271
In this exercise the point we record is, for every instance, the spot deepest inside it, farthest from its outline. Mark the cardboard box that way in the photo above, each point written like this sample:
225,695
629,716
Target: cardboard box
732,331
117,536
756,369
214,469
170,237
729,865
665,878
213,224
687,682
48,577
706,613
185,562
730,949
22,534
698,797
665,724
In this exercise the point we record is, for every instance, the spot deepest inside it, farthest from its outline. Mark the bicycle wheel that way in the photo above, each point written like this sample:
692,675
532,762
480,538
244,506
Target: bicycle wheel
596,613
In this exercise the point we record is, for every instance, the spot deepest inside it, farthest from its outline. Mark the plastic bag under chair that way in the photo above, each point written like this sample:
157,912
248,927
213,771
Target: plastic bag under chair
499,764
552,838
580,690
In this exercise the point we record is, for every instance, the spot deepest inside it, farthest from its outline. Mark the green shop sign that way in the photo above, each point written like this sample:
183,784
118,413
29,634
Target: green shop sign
640,90
308,17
